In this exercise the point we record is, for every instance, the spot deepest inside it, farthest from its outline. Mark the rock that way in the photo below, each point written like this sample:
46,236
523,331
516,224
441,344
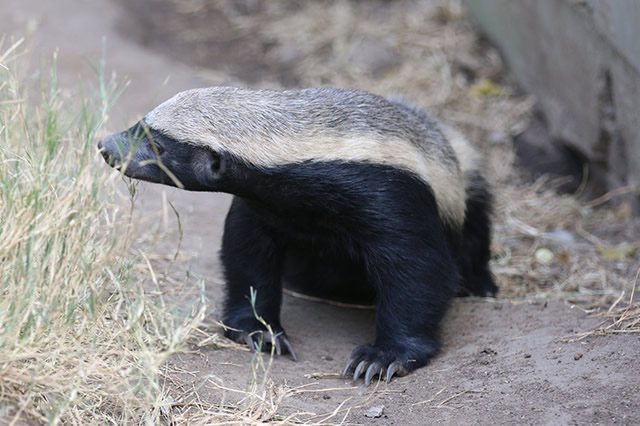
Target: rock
581,60
544,256
374,412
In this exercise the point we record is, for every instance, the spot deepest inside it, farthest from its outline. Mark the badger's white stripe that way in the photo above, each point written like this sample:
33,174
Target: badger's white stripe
256,127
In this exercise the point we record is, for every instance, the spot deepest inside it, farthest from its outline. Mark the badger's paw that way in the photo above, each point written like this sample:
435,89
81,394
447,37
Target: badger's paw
261,339
481,285
385,362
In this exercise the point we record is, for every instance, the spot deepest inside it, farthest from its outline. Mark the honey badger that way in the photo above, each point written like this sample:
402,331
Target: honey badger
339,192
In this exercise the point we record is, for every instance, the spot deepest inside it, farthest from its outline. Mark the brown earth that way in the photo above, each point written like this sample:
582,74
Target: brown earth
504,361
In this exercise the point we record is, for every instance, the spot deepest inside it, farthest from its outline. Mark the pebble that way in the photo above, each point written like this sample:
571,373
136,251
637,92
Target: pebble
374,412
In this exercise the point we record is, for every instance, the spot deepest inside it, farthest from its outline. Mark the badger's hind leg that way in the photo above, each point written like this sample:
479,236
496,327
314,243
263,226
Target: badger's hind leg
252,257
476,241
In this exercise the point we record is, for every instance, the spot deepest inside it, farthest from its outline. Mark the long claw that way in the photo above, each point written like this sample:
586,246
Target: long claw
346,369
249,341
287,344
359,369
373,370
395,367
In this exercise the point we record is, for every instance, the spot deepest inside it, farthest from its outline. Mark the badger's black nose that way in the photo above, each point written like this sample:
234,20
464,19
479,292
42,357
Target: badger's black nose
109,151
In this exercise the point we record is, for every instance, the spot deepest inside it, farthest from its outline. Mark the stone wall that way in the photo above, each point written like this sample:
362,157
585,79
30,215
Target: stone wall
581,59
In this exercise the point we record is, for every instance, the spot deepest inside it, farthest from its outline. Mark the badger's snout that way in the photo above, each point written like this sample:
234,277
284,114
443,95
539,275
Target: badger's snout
112,148
133,155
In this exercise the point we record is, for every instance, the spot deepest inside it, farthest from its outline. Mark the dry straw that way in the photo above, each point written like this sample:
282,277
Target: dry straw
80,341
87,323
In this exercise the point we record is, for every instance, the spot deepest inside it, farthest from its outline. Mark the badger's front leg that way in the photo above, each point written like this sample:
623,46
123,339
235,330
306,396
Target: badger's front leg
415,277
252,258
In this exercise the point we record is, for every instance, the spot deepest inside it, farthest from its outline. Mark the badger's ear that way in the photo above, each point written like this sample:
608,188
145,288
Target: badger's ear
210,167
216,165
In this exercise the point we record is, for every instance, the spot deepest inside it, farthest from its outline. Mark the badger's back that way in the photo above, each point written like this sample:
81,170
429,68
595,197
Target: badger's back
269,128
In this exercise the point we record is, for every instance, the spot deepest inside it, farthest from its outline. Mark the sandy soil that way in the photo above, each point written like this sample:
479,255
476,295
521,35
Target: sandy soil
503,362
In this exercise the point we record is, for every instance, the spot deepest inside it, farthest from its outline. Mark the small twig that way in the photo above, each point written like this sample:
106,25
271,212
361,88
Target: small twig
442,404
426,401
211,382
336,411
321,375
612,307
611,194
589,237
633,289
295,391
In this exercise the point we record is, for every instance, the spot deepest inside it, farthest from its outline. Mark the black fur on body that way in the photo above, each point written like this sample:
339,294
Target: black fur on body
358,228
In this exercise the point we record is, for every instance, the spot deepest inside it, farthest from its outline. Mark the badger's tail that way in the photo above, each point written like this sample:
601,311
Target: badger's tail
476,239
476,234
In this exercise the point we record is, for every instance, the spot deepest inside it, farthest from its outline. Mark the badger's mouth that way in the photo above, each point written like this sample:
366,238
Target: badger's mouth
109,157
115,150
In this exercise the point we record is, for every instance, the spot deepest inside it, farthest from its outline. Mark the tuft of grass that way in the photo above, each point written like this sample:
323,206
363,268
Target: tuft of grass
81,341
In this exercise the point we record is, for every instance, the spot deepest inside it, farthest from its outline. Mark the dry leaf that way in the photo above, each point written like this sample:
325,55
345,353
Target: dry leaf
619,251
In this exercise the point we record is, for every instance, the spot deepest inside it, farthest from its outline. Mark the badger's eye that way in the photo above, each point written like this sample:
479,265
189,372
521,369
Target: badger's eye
159,148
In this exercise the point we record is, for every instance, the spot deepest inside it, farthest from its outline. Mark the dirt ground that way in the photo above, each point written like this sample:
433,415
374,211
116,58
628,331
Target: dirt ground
513,360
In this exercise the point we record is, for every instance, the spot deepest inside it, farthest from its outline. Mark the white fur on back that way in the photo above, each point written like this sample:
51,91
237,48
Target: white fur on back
271,128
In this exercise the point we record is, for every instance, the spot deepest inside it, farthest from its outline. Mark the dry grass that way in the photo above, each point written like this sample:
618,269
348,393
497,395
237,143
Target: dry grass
617,320
80,340
88,319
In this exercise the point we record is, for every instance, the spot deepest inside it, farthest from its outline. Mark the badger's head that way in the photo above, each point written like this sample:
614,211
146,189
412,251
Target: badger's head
146,151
